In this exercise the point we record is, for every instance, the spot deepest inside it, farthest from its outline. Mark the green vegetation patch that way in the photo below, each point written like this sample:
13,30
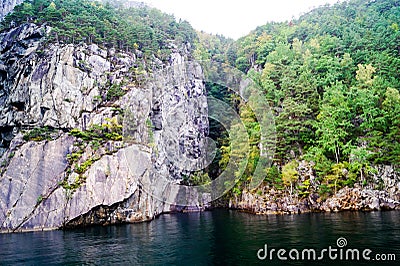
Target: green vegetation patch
39,134
93,138
75,21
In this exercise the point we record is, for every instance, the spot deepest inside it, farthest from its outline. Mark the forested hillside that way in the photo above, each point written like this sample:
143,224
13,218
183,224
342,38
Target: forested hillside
75,21
332,78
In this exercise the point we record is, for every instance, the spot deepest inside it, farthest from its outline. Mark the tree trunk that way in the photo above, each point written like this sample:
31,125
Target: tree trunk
337,153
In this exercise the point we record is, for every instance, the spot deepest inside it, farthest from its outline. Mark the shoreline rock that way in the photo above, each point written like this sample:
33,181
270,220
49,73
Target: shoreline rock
346,199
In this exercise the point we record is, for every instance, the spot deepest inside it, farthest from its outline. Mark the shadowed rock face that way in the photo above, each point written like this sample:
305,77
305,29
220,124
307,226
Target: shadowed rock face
61,87
6,6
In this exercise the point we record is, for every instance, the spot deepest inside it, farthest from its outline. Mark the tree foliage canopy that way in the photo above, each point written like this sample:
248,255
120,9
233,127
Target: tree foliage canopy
75,21
332,78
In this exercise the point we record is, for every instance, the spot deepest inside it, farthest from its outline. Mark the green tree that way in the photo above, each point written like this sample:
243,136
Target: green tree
334,123
290,174
391,107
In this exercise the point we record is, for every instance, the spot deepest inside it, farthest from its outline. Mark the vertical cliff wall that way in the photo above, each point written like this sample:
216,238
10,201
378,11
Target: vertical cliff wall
6,6
86,133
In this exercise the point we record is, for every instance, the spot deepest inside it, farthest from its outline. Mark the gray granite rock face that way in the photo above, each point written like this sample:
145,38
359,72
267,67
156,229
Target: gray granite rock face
61,87
51,89
6,6
32,175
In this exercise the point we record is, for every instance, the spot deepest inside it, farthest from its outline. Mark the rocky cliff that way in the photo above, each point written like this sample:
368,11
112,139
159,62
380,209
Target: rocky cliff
6,6
90,136
382,192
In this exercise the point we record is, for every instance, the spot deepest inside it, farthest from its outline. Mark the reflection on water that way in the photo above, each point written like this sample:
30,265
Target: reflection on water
219,237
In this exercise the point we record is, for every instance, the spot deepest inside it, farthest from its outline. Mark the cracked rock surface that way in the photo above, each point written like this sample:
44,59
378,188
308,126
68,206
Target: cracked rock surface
58,87
6,6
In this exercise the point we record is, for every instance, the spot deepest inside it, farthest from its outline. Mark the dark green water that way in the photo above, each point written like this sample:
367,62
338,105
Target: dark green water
219,237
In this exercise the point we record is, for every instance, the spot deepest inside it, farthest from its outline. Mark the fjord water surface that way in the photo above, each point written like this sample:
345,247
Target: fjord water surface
219,237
